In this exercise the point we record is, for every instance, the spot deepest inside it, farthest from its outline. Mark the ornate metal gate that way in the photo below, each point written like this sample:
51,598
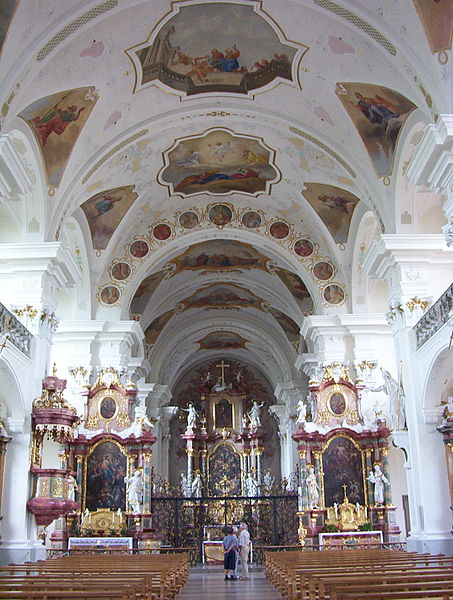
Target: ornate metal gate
182,522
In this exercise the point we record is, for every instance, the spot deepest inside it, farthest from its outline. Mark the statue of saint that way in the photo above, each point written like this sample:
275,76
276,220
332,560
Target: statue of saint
379,480
312,487
395,393
72,487
251,485
191,416
254,414
134,491
197,486
268,481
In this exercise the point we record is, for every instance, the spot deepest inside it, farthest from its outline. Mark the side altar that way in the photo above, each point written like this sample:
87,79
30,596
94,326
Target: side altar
102,484
345,484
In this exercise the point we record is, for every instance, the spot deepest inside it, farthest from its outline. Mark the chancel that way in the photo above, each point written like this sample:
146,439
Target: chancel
226,236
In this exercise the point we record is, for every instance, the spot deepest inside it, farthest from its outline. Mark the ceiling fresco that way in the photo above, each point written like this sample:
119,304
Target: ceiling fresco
223,255
56,122
378,114
219,162
222,340
222,296
105,211
219,158
334,206
215,47
437,19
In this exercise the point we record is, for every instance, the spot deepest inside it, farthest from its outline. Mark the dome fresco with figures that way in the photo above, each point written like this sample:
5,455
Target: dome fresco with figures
231,195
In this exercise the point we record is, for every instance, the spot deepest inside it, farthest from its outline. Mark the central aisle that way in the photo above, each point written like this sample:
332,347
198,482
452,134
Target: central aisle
206,583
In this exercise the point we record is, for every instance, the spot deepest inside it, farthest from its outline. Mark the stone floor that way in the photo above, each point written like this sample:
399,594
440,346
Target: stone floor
207,583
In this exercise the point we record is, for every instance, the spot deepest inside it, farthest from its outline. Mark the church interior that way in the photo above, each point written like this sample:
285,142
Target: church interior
226,251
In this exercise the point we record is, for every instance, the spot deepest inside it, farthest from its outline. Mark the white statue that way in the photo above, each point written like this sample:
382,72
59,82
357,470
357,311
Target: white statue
301,412
251,485
72,487
185,486
134,491
335,508
197,486
312,487
268,481
191,416
379,480
254,414
395,393
141,423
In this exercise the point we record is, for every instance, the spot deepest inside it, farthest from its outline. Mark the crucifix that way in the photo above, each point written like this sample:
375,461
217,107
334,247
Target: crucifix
344,486
222,367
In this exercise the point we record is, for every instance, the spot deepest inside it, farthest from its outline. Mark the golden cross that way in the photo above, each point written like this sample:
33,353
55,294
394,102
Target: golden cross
344,486
223,366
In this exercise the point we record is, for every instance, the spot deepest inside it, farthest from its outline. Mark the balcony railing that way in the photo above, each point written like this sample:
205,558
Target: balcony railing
18,334
434,318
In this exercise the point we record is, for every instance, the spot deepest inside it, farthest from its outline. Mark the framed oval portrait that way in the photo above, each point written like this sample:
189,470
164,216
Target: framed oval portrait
121,271
220,214
189,219
251,219
303,247
107,408
109,294
333,294
337,404
139,248
279,230
323,270
161,231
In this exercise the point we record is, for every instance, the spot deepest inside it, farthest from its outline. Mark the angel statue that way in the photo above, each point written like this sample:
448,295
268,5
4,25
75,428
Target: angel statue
395,393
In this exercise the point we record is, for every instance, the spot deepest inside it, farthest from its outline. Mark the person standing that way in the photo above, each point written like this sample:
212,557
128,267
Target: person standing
236,552
230,543
244,549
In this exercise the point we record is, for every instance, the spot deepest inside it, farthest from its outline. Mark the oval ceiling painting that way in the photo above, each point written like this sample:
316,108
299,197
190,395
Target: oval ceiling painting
161,231
251,219
189,219
333,294
303,247
109,295
279,230
139,248
323,270
121,271
220,215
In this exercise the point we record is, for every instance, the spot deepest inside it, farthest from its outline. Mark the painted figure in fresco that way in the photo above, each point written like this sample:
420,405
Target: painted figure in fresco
312,488
254,414
376,110
135,491
105,204
395,393
191,416
336,202
55,121
379,480
215,175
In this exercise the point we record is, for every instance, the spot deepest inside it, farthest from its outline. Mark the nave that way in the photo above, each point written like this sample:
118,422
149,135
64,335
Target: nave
205,583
